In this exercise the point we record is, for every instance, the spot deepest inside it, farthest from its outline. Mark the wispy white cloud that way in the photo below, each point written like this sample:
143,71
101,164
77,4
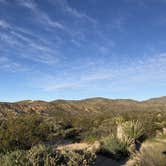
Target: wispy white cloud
40,57
39,52
4,24
78,14
73,11
41,16
28,3
53,86
9,39
6,64
138,73
32,48
44,18
50,24
36,36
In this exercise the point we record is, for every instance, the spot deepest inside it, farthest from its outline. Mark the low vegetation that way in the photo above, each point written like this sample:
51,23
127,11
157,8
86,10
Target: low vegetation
41,155
113,147
30,137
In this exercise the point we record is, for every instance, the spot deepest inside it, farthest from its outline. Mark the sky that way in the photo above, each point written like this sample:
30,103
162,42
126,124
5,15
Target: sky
75,49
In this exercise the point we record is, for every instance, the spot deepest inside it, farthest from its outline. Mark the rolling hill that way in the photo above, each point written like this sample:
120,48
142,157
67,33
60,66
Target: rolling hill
91,105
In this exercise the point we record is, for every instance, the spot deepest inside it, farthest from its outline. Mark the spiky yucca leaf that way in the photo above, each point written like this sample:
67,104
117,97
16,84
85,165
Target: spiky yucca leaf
132,129
119,120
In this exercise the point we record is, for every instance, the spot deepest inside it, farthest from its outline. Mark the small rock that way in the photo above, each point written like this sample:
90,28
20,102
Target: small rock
164,131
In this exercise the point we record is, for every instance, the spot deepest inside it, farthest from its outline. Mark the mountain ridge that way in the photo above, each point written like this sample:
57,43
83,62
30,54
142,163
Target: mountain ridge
91,98
90,105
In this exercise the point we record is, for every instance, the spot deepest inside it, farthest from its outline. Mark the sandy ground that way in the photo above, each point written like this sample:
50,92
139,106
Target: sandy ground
75,146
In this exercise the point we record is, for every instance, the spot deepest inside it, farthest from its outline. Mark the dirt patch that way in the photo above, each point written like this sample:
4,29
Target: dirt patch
75,146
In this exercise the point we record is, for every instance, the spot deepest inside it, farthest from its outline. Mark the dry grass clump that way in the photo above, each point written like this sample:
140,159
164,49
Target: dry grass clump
152,153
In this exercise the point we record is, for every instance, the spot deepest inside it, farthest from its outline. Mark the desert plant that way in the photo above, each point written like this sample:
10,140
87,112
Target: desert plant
37,154
25,131
15,158
41,155
132,130
111,146
119,119
78,157
46,156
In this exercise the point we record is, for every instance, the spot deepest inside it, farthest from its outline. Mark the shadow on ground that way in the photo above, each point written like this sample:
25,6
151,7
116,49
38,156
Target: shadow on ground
104,161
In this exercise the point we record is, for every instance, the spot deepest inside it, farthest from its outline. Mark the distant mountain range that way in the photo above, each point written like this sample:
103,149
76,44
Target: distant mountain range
91,105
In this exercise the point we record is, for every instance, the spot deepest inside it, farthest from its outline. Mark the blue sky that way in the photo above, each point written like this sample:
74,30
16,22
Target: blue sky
74,49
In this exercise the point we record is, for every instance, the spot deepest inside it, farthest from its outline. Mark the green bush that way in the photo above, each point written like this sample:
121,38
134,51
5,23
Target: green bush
112,146
79,157
25,131
15,158
41,155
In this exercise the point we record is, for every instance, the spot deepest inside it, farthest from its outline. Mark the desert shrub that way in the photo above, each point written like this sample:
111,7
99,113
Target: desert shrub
37,154
100,128
25,131
100,125
111,146
16,132
41,155
107,127
79,157
90,135
15,158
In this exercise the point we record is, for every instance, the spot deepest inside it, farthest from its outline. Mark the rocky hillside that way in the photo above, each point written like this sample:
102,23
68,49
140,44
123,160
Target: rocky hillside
92,106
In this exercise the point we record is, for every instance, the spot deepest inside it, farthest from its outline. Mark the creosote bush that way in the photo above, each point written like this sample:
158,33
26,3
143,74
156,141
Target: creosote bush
41,155
25,131
113,147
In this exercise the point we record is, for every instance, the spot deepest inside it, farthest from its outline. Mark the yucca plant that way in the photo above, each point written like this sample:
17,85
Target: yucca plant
119,120
132,129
